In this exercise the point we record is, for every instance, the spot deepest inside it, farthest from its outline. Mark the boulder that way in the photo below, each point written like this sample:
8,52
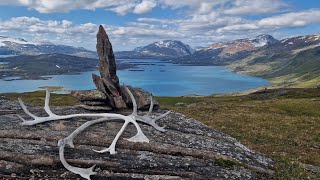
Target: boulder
89,95
186,150
142,98
95,107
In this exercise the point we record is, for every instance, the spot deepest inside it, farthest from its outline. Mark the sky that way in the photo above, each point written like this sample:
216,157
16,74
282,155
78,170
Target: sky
133,23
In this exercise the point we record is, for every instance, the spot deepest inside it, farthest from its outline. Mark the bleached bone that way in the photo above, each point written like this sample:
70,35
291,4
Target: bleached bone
133,118
145,119
83,172
148,120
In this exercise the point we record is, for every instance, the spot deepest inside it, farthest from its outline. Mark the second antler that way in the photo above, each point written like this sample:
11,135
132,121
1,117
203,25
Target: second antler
132,118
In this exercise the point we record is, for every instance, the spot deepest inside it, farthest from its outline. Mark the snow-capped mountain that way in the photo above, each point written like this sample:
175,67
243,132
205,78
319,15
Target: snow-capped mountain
164,49
223,52
19,46
294,43
263,40
167,48
239,45
265,46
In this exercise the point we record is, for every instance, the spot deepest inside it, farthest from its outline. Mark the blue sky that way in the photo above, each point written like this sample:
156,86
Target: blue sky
132,23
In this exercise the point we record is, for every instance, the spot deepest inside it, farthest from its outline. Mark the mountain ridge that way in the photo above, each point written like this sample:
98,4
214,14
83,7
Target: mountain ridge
19,46
159,49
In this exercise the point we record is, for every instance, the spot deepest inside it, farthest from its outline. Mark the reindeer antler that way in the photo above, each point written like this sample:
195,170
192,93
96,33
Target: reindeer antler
132,118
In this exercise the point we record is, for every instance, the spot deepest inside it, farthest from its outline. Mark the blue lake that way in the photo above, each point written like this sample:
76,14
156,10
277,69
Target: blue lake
160,78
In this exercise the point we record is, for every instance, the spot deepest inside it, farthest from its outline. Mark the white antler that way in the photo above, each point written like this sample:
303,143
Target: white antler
133,118
148,120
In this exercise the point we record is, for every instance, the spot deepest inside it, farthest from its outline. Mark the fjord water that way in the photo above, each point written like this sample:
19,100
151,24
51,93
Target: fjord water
160,78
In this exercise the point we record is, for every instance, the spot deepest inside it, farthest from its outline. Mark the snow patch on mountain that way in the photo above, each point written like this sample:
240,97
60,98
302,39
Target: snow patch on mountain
168,48
19,46
4,40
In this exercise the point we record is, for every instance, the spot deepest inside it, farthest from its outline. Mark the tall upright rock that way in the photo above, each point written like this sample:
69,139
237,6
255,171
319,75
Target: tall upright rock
107,61
114,96
108,83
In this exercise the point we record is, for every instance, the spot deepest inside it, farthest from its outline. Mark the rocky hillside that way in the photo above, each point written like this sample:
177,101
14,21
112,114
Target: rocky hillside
160,49
223,53
290,62
18,46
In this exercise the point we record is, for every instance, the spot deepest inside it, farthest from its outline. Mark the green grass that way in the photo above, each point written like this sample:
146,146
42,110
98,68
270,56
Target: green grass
284,128
37,98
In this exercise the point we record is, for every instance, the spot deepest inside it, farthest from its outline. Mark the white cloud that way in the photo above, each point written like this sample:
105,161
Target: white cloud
163,21
293,19
121,7
287,20
255,7
60,32
200,22
144,6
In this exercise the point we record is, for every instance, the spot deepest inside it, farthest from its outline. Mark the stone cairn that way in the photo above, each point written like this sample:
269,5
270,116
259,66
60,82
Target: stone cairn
109,93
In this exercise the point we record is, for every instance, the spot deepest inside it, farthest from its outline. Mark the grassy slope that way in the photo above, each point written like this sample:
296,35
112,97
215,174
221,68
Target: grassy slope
299,69
285,127
37,98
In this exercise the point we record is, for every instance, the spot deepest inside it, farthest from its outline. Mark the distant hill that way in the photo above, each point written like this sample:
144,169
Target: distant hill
161,49
18,46
35,66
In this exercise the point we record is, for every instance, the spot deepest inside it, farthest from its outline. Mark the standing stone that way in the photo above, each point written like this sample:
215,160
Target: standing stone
108,83
114,95
107,62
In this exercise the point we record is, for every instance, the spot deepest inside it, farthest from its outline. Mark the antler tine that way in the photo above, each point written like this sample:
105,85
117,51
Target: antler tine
161,116
83,172
112,147
139,137
151,105
46,104
26,110
134,102
69,139
23,120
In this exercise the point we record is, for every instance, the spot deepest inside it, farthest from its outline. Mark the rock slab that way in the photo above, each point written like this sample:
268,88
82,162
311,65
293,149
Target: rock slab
187,150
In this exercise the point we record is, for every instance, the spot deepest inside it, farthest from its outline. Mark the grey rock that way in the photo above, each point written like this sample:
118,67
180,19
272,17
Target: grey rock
107,62
187,150
119,102
108,81
94,103
180,104
89,95
95,107
142,97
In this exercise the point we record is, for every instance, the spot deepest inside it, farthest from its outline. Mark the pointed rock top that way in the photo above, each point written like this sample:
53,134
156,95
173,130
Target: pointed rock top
101,30
104,47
